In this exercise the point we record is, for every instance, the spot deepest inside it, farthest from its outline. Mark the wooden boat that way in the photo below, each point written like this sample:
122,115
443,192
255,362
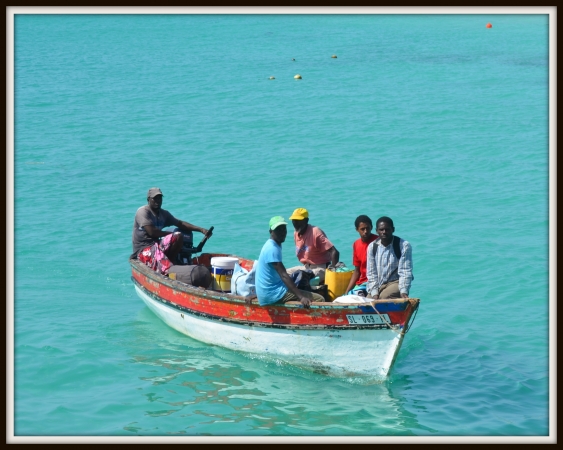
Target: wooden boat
340,340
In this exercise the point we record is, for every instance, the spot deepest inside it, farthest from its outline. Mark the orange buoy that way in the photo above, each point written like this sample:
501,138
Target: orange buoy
489,25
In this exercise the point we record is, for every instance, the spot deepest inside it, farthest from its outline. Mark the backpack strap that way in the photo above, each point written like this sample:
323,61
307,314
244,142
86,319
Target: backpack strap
397,246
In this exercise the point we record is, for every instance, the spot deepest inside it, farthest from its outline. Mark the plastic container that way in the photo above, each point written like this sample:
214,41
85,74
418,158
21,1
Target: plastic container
222,271
337,282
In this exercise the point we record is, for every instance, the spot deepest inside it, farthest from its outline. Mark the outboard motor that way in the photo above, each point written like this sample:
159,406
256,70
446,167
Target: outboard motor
188,249
185,255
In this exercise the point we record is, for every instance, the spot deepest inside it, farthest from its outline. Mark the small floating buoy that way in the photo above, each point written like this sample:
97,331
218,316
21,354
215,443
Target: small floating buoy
333,56
489,25
272,78
293,59
297,77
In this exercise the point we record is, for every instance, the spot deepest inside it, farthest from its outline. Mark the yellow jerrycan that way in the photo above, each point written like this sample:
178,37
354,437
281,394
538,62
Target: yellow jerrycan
337,282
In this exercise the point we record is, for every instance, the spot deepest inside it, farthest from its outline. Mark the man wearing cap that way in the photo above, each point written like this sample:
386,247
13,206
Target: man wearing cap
156,248
273,284
312,247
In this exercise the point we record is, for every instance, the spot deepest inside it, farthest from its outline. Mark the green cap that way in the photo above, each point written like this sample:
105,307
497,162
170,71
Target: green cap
276,222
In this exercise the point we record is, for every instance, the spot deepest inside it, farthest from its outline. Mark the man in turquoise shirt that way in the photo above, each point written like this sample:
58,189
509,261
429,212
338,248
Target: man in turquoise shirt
273,284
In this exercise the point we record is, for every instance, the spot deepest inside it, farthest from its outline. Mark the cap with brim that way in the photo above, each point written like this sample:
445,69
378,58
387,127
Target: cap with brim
153,192
276,222
299,214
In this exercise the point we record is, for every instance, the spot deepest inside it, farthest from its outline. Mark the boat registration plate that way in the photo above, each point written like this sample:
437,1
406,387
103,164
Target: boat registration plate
362,319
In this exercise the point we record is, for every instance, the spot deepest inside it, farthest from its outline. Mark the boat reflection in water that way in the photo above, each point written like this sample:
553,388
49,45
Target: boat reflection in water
207,389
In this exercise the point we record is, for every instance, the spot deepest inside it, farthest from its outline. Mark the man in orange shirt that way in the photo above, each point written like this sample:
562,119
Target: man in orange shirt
312,247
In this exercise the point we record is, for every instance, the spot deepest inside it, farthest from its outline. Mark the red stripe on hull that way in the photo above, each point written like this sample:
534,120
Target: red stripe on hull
238,310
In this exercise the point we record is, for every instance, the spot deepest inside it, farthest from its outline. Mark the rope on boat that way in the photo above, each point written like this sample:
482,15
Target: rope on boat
384,320
412,320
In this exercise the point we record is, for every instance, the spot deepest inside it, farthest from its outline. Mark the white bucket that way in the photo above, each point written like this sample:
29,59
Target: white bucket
222,271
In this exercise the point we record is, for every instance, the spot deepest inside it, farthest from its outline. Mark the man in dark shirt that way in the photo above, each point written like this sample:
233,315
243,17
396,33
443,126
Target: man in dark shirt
149,238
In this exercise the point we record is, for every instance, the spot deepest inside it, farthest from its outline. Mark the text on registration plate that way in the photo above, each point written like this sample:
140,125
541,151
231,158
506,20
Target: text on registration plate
361,319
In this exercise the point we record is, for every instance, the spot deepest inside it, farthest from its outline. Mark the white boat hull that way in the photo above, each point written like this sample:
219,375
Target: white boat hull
335,352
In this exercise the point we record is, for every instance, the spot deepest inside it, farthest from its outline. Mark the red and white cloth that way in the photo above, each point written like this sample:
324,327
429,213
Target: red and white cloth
155,257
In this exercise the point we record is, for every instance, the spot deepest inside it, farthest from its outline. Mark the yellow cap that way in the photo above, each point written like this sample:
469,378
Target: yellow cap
299,214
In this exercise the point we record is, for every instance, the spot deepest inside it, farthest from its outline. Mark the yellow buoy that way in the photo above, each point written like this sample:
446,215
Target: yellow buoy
272,78
297,77
333,56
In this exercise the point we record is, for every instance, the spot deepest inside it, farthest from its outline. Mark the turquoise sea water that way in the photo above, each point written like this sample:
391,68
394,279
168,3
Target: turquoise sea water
433,120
